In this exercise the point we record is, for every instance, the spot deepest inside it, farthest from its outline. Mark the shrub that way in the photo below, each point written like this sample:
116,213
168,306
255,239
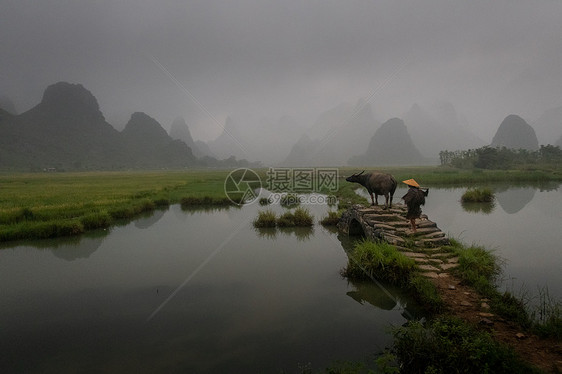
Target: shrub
449,345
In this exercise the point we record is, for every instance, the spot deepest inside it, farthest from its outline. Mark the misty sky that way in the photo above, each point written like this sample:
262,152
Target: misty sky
249,59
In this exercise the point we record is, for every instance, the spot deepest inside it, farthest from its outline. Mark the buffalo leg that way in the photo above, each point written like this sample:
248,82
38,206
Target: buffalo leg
372,201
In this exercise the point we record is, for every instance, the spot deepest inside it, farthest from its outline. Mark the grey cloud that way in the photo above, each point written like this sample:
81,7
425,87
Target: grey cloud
270,58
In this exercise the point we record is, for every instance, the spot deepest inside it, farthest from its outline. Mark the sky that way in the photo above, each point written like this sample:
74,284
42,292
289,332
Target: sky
207,60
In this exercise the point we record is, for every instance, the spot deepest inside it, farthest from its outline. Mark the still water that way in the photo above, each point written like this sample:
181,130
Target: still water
523,227
198,291
202,291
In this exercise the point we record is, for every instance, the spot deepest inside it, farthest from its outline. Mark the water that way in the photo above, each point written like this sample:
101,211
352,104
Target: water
198,291
202,291
523,227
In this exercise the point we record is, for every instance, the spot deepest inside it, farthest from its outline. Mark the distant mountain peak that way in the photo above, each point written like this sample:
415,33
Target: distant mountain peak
390,145
514,132
7,105
179,130
141,124
70,100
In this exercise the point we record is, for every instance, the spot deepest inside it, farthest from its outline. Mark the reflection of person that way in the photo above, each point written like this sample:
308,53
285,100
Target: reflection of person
414,199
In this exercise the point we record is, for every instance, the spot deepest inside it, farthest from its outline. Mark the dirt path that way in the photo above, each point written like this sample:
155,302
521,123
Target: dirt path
463,302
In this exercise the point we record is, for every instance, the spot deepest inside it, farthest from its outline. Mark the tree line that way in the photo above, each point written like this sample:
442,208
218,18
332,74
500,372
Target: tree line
488,157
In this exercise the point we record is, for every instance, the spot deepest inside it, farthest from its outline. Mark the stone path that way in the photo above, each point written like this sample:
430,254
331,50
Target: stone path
425,246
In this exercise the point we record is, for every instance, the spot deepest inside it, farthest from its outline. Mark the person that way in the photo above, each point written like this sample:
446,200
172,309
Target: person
414,199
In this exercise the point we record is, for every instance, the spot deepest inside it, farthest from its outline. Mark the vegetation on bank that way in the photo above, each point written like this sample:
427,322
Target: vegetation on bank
480,269
382,261
444,343
46,205
449,345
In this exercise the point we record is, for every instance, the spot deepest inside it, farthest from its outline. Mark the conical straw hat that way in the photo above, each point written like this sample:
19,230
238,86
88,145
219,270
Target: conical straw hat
411,182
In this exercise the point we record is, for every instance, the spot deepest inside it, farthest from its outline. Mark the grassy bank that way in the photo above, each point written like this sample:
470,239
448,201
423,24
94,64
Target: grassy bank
447,176
382,261
480,269
46,205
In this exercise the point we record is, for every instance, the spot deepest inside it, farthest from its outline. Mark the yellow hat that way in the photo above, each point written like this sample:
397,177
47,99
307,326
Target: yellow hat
411,182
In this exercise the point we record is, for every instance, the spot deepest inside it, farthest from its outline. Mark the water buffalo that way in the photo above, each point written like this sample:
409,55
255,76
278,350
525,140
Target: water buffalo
376,183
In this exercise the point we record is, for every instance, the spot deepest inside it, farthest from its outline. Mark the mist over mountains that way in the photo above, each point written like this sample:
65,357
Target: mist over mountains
391,145
68,131
336,136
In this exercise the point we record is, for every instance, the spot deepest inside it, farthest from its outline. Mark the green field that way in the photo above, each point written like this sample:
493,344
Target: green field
45,205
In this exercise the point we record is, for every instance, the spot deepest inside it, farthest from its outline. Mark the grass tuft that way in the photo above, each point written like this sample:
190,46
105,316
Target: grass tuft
265,218
478,195
380,261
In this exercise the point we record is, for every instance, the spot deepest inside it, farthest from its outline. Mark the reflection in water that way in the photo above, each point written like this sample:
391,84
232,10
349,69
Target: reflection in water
83,249
270,233
248,309
193,209
267,232
512,200
150,218
68,248
372,294
472,207
301,233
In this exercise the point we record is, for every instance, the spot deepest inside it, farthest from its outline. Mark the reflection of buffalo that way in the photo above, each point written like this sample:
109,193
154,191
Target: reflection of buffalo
373,296
385,297
376,183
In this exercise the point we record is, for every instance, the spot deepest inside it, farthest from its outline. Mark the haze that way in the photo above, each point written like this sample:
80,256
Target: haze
249,60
